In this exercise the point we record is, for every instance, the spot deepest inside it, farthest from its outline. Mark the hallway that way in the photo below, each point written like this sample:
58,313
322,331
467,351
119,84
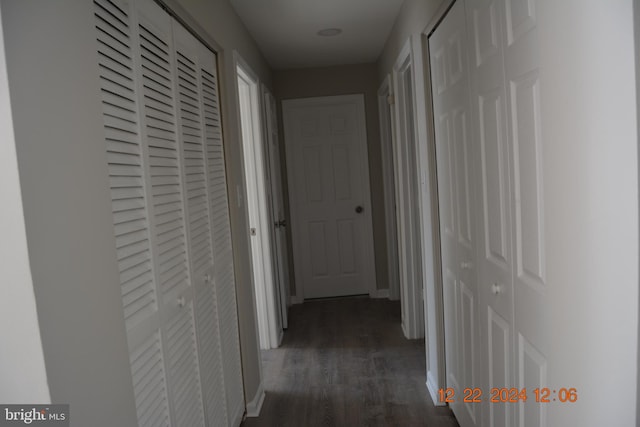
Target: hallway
345,362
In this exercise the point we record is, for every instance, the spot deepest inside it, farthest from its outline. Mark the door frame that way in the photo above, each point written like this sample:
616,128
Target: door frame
430,216
254,175
409,239
368,241
279,249
386,113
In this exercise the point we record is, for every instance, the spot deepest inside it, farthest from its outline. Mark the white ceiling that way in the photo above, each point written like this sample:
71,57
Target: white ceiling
286,30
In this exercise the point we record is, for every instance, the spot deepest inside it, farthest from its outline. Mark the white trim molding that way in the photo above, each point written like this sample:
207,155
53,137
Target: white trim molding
429,214
255,406
407,192
259,239
386,111
382,293
296,299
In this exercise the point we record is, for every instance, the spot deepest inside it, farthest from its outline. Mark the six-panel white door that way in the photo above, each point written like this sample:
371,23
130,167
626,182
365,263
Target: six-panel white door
329,194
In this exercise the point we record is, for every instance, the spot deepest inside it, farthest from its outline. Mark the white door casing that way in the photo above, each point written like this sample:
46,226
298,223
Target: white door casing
328,173
408,196
385,110
251,130
455,172
278,219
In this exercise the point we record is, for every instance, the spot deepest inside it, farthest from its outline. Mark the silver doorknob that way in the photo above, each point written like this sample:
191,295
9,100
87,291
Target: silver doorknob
359,209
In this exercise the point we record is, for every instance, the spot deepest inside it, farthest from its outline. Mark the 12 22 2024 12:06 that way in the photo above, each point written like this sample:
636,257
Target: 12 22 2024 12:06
510,395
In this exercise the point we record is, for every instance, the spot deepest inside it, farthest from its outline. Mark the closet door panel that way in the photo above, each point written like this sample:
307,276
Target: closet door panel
494,248
223,253
455,155
164,159
191,57
124,148
525,132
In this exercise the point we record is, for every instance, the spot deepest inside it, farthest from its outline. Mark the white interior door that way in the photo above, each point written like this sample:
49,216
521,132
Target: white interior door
329,192
279,230
455,163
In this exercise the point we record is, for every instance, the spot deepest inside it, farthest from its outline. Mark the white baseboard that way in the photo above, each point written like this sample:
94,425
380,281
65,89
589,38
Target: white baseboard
432,387
295,299
381,293
254,407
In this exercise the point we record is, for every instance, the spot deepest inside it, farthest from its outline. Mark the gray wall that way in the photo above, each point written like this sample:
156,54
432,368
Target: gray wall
51,61
342,80
410,22
22,370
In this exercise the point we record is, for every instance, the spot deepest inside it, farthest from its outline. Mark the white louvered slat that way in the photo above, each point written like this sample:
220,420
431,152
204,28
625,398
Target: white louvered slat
160,129
183,362
124,158
124,150
149,383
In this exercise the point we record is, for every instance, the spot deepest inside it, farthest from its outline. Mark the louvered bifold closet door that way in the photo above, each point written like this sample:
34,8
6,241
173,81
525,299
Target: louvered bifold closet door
121,112
222,250
171,216
160,107
191,58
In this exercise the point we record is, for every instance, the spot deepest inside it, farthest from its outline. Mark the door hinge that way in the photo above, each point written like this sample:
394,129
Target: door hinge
252,230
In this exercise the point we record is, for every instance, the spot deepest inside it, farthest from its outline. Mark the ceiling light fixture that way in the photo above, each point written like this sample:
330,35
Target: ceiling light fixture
329,32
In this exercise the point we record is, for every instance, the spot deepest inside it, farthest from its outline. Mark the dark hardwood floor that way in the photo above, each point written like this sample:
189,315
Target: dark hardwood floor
345,362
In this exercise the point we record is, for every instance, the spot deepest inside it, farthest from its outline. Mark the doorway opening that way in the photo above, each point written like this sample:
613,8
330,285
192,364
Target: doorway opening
259,218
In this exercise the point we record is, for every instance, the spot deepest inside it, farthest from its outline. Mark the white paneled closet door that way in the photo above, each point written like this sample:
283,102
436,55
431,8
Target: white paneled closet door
455,153
506,167
170,210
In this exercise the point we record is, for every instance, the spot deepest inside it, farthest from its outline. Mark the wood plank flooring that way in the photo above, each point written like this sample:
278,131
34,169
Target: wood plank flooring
345,362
